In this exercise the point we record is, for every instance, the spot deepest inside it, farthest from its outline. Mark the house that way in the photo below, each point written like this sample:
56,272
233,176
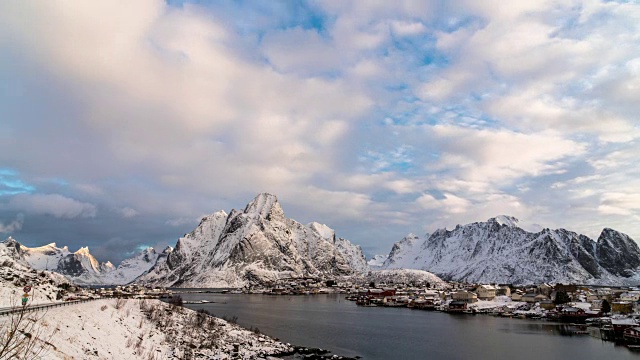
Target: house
545,289
577,315
457,306
529,298
599,294
381,293
632,296
622,307
631,335
547,304
516,296
541,297
569,289
465,296
620,325
486,292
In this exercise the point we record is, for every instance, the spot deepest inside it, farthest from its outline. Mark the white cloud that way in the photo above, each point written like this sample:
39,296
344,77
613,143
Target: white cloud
52,204
450,203
522,108
619,203
501,156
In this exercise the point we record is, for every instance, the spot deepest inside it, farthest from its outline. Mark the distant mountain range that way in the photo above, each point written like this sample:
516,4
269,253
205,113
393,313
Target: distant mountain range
255,245
498,250
259,245
81,267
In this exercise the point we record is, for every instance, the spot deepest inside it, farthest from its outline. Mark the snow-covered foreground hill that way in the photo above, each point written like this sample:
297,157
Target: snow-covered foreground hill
498,250
255,245
145,329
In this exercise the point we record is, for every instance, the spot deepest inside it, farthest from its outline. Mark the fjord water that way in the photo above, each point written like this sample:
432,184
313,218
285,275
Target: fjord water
333,323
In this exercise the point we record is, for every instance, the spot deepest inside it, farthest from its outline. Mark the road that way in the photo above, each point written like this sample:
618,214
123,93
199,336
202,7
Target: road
10,310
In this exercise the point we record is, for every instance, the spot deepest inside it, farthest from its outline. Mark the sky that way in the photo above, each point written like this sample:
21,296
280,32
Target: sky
122,123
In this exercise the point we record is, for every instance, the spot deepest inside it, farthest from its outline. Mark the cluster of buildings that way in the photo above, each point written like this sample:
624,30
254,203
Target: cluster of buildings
127,291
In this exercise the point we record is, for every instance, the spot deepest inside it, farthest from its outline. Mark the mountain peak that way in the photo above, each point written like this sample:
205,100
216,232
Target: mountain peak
266,206
82,251
167,250
509,221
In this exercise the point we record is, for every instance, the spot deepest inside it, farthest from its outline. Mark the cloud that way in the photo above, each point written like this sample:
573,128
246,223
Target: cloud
13,226
501,156
619,203
349,111
184,221
52,204
127,212
450,203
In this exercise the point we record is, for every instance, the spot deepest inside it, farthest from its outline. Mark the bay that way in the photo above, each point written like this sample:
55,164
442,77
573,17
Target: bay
334,323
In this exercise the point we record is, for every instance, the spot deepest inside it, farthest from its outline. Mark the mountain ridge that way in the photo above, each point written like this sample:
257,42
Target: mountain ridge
256,245
499,250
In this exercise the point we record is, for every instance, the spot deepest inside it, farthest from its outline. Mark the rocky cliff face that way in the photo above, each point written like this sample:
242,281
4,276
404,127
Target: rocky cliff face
498,250
255,245
617,253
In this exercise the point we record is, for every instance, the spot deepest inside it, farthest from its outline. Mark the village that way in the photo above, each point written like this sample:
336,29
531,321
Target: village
608,313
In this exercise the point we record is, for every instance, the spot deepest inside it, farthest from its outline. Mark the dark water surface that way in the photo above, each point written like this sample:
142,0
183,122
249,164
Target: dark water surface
331,322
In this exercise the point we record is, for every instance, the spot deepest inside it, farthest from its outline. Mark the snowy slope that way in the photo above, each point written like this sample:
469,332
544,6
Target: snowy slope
352,253
143,330
376,262
129,269
406,276
15,273
498,250
255,245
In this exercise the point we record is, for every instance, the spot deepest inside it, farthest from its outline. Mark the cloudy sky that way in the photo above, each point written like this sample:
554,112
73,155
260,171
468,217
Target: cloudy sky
123,122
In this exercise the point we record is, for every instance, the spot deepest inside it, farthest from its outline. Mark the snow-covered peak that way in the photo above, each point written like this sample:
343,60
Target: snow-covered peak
49,248
83,251
376,261
509,221
402,252
323,230
266,206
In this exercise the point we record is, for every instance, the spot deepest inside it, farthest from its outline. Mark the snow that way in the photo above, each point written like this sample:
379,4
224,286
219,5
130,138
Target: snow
256,245
501,251
99,329
406,276
15,274
323,230
50,257
376,261
507,220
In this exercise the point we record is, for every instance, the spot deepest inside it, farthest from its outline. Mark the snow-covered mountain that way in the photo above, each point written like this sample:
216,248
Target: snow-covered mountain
15,273
376,262
498,250
81,267
255,245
